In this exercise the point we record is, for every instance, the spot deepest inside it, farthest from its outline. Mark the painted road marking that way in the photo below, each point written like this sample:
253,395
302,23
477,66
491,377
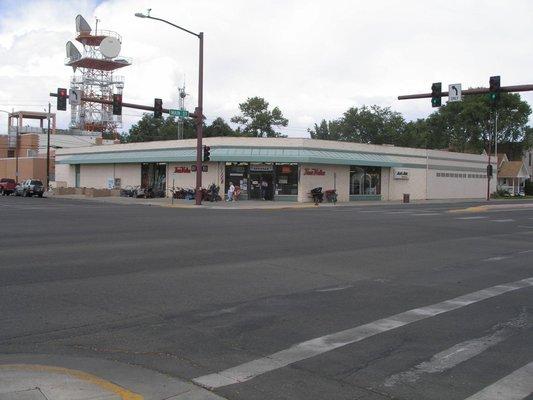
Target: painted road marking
334,289
461,352
498,258
323,344
502,220
124,394
515,386
476,217
424,214
525,226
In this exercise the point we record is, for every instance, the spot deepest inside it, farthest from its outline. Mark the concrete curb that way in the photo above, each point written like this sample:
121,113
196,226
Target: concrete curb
114,379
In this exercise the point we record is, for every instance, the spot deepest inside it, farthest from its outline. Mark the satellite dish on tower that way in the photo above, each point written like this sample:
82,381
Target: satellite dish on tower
82,26
72,52
110,47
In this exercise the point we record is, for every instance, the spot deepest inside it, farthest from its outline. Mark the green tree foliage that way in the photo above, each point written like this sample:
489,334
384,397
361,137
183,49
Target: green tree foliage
460,126
256,120
219,127
149,129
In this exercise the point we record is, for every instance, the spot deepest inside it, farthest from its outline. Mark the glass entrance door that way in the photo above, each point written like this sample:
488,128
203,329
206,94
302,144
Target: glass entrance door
261,185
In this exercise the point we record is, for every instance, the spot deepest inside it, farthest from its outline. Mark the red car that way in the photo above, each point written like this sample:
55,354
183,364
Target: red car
7,186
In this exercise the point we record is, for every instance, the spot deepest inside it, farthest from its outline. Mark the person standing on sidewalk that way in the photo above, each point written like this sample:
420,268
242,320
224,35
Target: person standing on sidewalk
231,189
264,189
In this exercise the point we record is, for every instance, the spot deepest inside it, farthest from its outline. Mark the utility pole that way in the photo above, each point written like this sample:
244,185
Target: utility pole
48,150
17,149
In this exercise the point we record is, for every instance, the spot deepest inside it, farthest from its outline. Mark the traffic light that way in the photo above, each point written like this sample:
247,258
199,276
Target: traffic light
207,153
494,89
158,108
436,94
62,99
117,104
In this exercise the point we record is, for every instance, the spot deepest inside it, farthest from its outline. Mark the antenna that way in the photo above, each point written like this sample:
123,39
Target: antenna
96,28
181,102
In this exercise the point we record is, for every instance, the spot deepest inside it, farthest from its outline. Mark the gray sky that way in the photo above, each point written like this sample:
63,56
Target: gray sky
313,59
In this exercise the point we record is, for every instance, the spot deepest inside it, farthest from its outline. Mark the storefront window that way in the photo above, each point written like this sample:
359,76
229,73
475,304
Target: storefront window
365,180
286,179
237,173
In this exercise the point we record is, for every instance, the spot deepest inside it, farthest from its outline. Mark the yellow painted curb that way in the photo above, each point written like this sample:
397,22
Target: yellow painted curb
470,209
111,387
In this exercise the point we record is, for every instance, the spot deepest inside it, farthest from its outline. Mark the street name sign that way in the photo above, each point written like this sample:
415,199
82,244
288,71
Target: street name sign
454,92
179,113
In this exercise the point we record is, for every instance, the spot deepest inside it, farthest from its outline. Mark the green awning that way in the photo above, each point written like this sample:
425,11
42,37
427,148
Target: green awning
235,154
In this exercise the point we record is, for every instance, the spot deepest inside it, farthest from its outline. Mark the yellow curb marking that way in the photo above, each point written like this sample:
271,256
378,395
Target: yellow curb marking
470,209
84,376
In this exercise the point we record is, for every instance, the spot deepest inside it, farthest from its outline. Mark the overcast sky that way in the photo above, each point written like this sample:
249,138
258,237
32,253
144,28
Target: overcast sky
313,59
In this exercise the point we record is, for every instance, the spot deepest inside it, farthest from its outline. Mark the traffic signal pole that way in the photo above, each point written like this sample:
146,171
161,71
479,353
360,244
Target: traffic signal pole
503,89
490,91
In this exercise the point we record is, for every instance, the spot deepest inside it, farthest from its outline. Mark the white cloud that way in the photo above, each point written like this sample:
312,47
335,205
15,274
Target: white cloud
310,58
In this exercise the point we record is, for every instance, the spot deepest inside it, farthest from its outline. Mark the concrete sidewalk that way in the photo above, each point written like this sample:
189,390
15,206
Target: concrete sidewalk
40,377
272,205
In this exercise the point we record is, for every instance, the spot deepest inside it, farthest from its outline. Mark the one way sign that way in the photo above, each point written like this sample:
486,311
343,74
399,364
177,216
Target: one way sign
74,97
454,92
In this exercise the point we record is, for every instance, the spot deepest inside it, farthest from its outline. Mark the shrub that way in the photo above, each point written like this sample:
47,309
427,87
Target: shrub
529,188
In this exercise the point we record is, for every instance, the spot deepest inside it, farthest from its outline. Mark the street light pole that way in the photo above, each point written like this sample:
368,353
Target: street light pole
198,113
48,151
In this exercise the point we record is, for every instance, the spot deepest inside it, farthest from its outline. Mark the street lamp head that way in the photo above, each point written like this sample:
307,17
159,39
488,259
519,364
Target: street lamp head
140,15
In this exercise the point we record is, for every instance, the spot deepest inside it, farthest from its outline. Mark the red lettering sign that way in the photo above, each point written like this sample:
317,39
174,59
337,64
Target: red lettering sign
314,171
182,170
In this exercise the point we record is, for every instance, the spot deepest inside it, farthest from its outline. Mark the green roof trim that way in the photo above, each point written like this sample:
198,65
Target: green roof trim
235,154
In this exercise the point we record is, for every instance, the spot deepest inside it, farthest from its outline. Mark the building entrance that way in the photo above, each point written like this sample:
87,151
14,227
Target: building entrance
261,181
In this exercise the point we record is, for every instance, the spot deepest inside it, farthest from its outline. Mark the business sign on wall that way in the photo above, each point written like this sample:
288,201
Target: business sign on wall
314,171
261,167
400,173
182,170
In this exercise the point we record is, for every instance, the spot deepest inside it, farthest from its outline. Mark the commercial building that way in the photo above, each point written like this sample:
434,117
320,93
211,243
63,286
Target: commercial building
23,150
290,167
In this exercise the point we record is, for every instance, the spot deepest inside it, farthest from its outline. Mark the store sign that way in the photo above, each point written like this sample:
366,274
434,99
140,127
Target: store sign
314,171
261,168
286,169
401,174
182,170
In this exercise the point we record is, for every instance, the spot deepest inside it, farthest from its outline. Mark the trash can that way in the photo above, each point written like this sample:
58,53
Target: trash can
406,197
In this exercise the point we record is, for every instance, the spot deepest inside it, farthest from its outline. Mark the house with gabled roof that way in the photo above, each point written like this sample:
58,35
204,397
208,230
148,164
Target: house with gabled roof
512,175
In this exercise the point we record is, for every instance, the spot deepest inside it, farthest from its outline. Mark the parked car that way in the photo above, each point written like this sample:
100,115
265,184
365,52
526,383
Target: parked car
30,187
7,186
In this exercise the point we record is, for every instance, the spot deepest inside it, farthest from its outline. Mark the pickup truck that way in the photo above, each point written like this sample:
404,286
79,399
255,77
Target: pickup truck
7,186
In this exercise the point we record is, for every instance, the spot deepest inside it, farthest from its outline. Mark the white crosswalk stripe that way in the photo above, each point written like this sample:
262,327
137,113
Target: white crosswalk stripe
460,352
515,386
323,344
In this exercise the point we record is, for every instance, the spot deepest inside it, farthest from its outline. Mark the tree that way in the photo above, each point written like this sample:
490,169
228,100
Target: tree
468,124
372,124
326,131
149,129
219,127
256,120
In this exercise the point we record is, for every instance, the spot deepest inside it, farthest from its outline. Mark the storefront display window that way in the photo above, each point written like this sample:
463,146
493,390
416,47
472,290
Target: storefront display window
365,180
237,173
286,179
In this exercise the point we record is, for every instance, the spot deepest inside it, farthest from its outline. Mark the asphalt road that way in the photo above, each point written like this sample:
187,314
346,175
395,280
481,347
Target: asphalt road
377,302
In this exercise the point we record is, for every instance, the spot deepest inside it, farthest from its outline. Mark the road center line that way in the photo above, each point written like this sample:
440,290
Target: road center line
515,386
323,344
502,220
476,217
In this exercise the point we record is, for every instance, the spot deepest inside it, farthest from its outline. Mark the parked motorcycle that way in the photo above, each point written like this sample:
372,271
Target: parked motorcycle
331,196
317,195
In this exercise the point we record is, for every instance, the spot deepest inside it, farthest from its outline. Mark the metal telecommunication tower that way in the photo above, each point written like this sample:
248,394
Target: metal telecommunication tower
181,103
96,80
